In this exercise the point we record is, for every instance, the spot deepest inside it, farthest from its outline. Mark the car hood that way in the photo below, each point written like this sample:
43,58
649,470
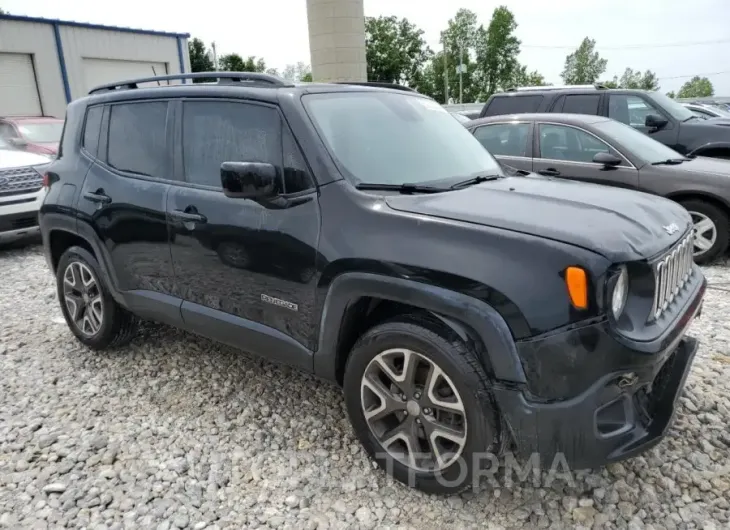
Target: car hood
702,165
11,158
622,225
712,125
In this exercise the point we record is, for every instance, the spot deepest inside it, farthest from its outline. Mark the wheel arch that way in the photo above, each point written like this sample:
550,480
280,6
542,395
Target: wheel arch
356,301
686,195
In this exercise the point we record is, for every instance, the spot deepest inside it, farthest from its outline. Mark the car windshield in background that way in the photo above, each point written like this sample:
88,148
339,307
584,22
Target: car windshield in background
385,138
678,111
49,132
722,112
639,143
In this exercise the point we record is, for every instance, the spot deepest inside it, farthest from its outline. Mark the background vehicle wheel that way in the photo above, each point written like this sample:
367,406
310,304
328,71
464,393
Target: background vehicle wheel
420,404
711,230
88,307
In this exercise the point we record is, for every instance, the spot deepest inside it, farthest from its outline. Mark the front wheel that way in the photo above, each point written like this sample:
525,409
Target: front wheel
711,233
419,402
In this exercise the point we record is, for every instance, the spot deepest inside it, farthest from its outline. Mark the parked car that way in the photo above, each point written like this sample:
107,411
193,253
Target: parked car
21,192
652,113
33,134
708,110
463,311
460,117
603,151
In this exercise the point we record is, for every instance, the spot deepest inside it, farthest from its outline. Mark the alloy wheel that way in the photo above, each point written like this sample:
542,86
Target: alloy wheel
413,409
82,297
705,233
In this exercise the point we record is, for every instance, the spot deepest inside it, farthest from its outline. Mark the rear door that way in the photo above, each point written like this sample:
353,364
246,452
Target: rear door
578,104
567,151
513,104
509,142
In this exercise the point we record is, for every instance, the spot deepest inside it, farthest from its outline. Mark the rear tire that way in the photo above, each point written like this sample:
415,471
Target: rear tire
445,416
712,232
90,311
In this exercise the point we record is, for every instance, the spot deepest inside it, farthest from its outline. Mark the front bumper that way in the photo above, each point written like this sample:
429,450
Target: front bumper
19,216
625,411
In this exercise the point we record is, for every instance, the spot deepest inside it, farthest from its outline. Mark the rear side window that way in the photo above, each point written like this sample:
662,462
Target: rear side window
137,138
514,105
220,131
91,129
581,104
506,139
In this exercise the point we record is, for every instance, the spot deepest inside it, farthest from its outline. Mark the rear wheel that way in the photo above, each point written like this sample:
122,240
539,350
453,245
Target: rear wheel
420,404
711,232
89,309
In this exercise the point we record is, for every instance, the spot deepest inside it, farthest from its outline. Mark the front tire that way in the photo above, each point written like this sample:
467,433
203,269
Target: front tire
90,311
711,230
419,402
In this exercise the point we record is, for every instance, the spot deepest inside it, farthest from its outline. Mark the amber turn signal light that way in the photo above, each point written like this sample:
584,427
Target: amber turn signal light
577,282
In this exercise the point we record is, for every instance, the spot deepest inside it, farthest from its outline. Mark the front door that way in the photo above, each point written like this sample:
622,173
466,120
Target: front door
122,200
633,110
565,151
240,264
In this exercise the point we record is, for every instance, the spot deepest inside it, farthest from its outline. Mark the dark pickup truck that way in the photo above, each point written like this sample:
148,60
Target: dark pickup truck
364,235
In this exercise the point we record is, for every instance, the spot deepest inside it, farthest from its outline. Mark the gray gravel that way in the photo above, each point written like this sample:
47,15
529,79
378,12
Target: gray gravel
174,431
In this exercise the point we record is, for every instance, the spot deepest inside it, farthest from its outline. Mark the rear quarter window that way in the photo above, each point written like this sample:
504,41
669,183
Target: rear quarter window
514,105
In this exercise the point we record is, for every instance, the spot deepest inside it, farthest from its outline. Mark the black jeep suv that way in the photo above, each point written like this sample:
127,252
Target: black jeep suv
653,113
364,235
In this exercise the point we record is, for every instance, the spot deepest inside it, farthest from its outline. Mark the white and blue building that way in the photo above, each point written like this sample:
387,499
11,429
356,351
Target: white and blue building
45,63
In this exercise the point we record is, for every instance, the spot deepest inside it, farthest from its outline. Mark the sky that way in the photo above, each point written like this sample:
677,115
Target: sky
640,34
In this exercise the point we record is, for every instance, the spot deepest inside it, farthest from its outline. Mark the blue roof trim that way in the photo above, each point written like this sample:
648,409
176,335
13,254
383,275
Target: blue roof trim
56,22
62,63
181,58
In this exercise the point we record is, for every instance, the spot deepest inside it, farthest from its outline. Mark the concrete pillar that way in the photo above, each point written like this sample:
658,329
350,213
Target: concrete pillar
337,40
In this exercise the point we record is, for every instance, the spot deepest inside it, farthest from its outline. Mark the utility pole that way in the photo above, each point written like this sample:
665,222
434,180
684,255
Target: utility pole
215,56
461,73
446,74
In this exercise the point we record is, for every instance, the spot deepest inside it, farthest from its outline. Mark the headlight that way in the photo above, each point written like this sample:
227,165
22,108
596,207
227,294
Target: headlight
620,292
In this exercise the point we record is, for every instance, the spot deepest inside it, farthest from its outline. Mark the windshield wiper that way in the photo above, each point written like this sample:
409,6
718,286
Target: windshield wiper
670,162
405,188
475,180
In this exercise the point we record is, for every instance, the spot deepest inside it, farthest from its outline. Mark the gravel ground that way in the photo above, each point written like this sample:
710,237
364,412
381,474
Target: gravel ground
174,431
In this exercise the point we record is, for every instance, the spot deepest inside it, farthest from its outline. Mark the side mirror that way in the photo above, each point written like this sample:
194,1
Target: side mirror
17,141
249,180
655,122
607,159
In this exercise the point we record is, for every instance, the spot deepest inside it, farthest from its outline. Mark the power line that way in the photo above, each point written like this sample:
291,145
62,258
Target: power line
632,46
695,75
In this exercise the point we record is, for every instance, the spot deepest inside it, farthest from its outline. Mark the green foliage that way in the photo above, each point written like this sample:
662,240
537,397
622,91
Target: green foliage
497,49
235,63
584,66
671,94
395,50
297,72
697,87
636,80
199,59
522,77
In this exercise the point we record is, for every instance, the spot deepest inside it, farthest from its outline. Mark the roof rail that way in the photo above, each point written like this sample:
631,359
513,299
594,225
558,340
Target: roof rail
557,87
379,84
222,77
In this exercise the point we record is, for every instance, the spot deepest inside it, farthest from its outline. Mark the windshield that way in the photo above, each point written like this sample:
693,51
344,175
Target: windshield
720,111
385,138
47,132
639,143
678,111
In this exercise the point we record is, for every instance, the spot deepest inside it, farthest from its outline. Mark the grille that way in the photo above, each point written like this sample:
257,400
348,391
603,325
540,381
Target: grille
671,273
19,180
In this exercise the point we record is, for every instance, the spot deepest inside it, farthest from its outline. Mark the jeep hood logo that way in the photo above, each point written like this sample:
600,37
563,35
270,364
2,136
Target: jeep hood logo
671,229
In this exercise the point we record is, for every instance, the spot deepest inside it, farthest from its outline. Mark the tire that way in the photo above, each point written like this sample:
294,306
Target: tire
435,343
109,325
701,210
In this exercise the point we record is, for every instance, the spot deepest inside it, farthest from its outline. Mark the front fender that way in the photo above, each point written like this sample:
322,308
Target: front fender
486,322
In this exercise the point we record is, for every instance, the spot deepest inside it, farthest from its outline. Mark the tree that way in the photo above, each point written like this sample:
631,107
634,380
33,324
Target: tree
697,87
584,65
497,49
396,51
522,77
636,80
459,39
297,72
671,94
199,59
235,63
614,83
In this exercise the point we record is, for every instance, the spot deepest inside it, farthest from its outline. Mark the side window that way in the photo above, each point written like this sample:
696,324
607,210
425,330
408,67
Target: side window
582,104
507,139
558,105
7,131
137,138
296,174
558,142
221,131
631,110
91,129
513,105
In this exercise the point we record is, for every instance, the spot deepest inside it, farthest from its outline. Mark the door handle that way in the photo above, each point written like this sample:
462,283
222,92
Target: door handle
97,196
190,215
549,172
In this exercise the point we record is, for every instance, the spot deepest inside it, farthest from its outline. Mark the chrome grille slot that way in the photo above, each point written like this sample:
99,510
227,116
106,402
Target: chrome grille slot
19,180
671,272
